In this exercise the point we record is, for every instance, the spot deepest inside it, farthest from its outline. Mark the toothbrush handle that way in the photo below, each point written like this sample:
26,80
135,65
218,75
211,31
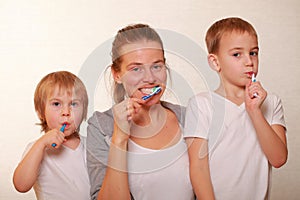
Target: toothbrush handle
62,129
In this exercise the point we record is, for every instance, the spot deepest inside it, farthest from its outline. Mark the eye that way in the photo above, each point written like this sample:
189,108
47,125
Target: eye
75,104
157,67
136,69
253,53
55,104
236,54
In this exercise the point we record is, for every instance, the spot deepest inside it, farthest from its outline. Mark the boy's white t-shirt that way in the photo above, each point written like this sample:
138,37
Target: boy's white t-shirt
238,167
159,174
63,174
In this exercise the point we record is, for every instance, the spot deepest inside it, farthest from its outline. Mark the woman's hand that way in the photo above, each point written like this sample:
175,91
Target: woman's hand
125,112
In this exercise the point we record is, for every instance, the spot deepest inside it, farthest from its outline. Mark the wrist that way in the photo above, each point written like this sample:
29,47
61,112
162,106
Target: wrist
119,141
41,143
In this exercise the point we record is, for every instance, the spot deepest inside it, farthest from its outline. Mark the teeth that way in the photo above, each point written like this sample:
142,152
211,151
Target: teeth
147,90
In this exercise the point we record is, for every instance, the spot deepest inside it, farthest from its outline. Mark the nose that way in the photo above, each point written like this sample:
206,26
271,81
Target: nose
149,77
248,61
66,111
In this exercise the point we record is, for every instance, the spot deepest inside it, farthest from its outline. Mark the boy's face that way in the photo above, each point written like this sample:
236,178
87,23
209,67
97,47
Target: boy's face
62,108
238,58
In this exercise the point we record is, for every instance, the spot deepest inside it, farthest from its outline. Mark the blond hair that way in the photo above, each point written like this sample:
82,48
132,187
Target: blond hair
227,25
64,80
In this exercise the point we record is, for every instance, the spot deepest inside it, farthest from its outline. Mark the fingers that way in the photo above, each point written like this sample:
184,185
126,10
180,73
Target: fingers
132,107
255,90
125,111
54,138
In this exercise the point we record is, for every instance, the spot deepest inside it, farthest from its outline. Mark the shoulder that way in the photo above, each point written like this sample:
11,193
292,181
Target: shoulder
273,100
101,122
202,99
97,115
178,110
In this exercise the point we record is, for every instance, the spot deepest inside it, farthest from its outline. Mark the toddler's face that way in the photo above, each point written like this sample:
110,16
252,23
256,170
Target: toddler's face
63,108
238,57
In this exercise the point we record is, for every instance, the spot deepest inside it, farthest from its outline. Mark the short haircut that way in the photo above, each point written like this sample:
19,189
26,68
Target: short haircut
65,81
227,25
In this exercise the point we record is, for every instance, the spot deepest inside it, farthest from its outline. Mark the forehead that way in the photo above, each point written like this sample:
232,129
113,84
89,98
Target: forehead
59,91
237,39
139,45
143,54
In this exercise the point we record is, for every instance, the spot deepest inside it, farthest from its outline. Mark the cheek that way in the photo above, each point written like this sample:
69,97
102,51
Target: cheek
162,77
131,83
51,118
78,117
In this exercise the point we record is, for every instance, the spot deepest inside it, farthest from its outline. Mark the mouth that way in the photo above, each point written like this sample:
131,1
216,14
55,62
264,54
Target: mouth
147,91
249,74
66,124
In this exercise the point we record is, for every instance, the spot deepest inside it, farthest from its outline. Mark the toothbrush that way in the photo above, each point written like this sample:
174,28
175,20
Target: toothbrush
62,129
253,79
155,91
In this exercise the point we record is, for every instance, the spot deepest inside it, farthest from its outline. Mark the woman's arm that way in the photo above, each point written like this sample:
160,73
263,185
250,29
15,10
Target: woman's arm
106,159
115,184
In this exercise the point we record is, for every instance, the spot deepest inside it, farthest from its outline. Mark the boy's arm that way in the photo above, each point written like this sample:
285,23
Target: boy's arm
27,170
199,168
272,139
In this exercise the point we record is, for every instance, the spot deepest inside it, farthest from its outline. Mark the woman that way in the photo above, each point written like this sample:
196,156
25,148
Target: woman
136,150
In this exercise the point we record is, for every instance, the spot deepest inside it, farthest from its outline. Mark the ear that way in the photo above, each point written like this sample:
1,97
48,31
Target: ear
117,76
213,62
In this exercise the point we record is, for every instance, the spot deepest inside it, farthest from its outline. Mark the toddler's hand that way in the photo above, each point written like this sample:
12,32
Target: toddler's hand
53,136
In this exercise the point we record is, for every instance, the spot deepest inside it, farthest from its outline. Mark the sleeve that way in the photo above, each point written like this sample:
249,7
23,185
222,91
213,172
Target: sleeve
97,152
27,148
278,113
198,117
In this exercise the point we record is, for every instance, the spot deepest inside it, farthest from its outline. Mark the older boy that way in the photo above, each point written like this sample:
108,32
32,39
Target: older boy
250,135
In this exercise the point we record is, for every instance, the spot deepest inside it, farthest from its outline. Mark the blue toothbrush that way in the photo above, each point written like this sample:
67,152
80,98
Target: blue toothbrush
62,129
155,91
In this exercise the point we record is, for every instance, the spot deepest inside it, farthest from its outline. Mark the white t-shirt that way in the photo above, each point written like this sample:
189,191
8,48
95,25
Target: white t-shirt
63,174
238,167
159,174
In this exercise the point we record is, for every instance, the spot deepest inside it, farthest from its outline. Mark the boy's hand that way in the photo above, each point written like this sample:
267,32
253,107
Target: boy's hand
254,95
53,136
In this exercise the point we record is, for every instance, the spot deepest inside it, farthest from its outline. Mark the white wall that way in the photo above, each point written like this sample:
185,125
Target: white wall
37,38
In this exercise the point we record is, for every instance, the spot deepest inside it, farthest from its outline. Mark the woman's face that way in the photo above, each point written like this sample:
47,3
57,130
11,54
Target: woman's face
142,69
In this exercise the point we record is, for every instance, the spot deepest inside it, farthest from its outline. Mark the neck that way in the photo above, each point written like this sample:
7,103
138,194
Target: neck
151,122
145,115
72,141
234,94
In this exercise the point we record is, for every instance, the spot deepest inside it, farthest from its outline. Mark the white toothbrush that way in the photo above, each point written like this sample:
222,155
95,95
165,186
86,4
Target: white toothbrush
254,80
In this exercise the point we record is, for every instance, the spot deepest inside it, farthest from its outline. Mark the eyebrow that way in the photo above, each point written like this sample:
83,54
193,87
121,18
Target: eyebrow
138,63
57,99
240,48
